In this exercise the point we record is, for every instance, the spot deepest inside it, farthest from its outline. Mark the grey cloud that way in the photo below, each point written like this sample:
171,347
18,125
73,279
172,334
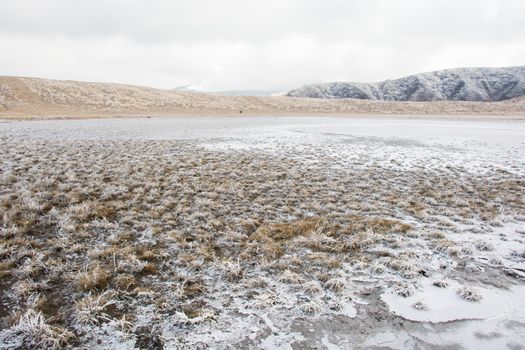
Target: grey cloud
254,44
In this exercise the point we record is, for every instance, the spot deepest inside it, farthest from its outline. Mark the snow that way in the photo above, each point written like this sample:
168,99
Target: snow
475,146
393,142
464,84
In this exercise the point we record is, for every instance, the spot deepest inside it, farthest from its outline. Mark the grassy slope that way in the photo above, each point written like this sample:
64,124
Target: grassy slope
43,98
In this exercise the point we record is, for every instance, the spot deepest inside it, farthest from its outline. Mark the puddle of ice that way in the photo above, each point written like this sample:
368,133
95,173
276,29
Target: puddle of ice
445,305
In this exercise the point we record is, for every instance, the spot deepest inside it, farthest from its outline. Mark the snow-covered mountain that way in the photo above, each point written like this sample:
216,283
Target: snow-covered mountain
461,84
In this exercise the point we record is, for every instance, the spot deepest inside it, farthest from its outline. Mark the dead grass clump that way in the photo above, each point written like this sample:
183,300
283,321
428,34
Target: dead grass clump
310,308
92,309
125,281
104,211
146,254
290,277
149,269
256,282
404,290
97,278
336,284
378,225
289,230
36,332
419,305
233,271
123,324
484,246
262,248
333,263
440,283
193,288
28,286
436,235
323,243
6,268
446,247
265,300
249,226
405,268
195,317
312,288
469,294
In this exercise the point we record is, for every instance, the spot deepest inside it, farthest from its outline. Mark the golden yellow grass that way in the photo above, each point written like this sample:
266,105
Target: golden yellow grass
33,98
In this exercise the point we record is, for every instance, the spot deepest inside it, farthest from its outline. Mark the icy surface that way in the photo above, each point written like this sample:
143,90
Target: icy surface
395,142
444,304
340,156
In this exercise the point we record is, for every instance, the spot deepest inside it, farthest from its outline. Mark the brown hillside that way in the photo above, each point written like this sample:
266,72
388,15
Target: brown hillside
44,98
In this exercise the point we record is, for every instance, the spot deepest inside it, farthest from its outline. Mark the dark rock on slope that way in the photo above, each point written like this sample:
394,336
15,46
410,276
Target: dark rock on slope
462,84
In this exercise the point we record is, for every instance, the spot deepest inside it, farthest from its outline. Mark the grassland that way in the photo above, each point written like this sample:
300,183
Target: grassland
33,98
153,243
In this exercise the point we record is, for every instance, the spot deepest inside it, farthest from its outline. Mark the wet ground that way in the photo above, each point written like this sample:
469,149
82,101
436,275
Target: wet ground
364,215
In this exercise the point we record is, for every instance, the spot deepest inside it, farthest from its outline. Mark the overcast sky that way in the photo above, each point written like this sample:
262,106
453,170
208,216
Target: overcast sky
248,44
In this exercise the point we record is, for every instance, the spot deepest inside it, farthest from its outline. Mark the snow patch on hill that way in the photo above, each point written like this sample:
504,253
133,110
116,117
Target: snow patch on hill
462,84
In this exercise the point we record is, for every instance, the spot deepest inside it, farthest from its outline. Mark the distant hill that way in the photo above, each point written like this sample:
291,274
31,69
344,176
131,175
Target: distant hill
46,98
186,88
461,84
249,93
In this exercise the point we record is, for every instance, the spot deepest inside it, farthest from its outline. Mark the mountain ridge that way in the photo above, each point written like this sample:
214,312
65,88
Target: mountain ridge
37,98
458,84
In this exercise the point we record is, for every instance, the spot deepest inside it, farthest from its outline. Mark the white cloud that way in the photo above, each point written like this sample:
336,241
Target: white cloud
252,44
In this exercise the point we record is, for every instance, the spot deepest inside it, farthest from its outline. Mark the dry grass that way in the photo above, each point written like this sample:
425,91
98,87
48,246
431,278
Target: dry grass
92,309
109,232
469,294
37,333
30,97
97,278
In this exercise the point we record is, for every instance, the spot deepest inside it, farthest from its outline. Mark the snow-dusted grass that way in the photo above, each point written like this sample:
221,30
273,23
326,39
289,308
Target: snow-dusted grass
404,290
109,237
34,332
469,294
440,283
92,309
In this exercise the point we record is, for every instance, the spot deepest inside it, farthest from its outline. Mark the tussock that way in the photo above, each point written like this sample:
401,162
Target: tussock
115,235
469,294
35,332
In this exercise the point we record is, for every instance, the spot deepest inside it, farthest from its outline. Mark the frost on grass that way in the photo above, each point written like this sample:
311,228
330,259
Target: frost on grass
336,284
404,290
419,305
134,235
440,283
469,293
265,300
311,308
35,332
92,309
484,246
202,316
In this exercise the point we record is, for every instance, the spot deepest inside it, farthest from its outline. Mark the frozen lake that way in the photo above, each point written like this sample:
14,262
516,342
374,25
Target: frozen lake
394,141
446,130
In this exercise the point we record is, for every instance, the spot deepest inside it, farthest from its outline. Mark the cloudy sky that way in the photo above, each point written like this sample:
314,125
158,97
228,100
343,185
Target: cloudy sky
254,44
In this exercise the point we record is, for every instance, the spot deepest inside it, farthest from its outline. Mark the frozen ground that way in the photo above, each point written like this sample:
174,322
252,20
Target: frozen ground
263,232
